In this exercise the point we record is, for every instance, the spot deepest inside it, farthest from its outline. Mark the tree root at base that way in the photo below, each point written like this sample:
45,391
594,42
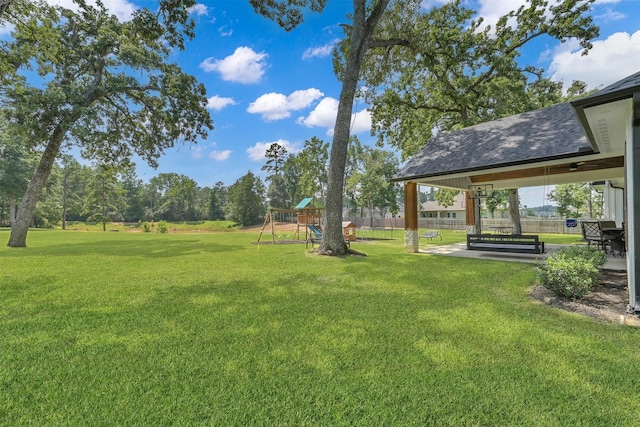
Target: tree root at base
349,252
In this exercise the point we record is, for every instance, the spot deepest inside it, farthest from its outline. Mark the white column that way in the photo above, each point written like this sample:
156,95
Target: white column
632,178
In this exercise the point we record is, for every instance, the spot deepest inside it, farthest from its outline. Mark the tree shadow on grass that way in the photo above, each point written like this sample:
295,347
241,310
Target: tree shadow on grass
152,248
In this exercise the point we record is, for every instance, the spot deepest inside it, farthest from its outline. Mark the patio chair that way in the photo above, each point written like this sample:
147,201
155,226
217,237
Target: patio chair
615,236
592,233
607,224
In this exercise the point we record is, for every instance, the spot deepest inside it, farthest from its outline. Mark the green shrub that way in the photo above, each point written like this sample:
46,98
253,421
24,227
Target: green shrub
571,272
163,227
146,227
590,253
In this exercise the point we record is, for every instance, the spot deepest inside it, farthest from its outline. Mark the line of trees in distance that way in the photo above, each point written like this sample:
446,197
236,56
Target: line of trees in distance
105,193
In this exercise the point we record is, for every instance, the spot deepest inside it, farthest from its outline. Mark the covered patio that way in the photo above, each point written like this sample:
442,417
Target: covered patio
596,138
460,250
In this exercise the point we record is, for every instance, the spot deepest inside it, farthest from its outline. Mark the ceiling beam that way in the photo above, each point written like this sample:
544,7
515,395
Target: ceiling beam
541,171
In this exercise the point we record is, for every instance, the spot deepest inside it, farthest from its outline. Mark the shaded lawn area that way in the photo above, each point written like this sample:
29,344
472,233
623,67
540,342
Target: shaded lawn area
148,329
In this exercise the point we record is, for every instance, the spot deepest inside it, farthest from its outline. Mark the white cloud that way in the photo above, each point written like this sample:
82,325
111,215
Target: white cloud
428,4
220,155
257,152
225,31
324,115
608,61
199,9
611,15
361,121
123,9
492,10
276,106
243,66
217,103
196,153
320,51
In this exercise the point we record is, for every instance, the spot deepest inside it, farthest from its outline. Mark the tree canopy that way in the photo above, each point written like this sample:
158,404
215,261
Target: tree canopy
428,71
453,71
245,200
105,86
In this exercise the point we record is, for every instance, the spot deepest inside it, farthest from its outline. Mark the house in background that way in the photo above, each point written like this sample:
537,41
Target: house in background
432,208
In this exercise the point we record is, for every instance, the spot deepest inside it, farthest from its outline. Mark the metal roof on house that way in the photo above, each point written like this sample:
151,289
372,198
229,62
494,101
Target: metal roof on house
535,136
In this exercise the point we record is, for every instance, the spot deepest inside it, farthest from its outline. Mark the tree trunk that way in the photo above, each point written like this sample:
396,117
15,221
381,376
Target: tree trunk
18,236
332,238
4,5
104,209
12,209
64,201
514,210
370,214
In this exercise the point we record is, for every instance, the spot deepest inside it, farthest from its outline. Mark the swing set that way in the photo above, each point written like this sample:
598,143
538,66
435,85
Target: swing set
285,224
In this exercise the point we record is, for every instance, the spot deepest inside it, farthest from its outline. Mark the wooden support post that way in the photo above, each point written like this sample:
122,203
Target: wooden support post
267,218
470,206
473,207
411,238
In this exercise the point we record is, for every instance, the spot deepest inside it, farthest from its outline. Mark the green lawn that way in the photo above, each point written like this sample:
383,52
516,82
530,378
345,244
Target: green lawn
209,329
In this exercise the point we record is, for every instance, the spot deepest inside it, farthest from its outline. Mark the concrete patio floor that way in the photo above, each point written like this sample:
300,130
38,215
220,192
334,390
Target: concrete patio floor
460,250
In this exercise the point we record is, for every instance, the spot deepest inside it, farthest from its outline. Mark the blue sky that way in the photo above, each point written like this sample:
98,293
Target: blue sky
266,85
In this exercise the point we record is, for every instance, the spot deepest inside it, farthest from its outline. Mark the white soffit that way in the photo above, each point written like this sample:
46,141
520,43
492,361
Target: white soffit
608,123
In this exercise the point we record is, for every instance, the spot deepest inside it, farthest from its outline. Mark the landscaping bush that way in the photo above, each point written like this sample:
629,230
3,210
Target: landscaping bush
146,227
163,227
571,272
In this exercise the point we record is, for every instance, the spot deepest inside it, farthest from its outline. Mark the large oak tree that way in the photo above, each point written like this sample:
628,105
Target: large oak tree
456,71
432,66
84,78
365,18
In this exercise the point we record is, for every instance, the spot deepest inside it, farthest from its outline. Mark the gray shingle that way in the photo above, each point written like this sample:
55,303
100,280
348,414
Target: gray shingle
529,137
619,90
630,82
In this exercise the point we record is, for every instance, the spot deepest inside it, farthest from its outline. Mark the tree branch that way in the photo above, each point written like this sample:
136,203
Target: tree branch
376,43
429,107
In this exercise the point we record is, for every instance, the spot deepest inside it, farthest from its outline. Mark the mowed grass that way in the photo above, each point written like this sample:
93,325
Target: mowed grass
173,227
209,329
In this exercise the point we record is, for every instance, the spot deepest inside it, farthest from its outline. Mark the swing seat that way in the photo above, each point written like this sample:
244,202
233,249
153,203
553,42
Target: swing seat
315,236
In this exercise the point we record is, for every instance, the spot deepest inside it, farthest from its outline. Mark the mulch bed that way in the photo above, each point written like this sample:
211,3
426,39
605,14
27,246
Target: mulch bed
608,301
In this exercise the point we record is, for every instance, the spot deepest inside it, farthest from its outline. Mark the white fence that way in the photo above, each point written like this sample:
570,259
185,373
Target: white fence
529,225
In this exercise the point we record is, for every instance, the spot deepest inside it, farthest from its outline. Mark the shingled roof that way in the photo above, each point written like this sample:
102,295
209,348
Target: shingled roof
535,136
619,90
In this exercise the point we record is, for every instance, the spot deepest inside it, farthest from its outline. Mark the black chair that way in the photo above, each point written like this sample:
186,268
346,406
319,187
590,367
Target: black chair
607,224
615,237
592,233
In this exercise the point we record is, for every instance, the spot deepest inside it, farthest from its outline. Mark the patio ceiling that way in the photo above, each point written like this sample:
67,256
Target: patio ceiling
583,169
